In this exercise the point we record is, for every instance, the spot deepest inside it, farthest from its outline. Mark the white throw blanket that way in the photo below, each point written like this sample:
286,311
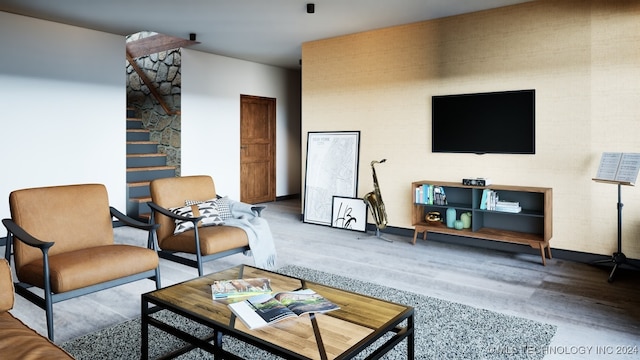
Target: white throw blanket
258,232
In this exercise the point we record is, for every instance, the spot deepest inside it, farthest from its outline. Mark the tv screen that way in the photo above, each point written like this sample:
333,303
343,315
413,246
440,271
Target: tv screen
484,123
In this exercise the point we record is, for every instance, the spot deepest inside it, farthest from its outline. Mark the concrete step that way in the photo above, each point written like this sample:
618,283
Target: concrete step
149,173
134,123
145,160
138,135
138,189
142,147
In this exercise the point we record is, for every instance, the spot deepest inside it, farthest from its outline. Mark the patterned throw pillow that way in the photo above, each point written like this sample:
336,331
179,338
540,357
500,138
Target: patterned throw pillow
222,204
206,209
223,208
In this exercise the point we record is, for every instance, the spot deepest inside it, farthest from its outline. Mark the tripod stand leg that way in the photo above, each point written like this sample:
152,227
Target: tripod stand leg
617,259
613,272
377,235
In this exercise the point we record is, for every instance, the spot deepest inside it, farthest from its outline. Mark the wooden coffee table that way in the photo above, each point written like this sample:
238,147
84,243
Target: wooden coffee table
341,334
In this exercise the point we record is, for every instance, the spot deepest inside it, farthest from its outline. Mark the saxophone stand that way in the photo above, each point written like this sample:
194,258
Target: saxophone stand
373,201
378,235
618,258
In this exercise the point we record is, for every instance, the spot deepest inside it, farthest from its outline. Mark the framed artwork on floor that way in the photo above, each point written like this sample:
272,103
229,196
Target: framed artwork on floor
331,170
349,213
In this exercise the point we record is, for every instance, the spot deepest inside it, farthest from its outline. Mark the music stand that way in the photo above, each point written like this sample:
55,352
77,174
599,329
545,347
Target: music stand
620,169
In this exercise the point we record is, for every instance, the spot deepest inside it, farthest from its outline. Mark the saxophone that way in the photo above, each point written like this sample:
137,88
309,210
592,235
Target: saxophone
374,200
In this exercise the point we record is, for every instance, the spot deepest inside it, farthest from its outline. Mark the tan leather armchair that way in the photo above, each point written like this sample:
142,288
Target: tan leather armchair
62,242
206,243
17,340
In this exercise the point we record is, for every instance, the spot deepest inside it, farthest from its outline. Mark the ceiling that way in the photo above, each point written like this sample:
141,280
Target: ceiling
264,31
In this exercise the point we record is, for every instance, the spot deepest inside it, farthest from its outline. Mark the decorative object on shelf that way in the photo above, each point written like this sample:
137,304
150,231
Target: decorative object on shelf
466,220
476,182
433,216
451,217
458,225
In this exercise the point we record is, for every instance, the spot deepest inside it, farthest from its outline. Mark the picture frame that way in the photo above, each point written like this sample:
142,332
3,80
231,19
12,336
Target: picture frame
349,213
331,170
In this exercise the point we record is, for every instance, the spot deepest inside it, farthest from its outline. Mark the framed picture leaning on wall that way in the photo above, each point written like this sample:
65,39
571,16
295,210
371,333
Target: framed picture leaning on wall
349,213
331,170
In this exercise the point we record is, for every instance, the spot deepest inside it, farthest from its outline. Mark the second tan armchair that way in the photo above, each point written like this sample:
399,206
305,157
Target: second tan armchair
205,243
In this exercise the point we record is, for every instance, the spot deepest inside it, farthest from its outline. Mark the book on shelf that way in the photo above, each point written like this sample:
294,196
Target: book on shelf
489,200
439,197
509,210
430,195
224,289
483,200
508,206
508,203
262,310
424,194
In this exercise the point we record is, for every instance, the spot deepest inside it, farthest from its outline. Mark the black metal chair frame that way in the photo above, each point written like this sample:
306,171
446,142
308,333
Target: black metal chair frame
49,298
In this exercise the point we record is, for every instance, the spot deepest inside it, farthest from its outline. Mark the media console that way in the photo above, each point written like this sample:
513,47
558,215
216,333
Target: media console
531,226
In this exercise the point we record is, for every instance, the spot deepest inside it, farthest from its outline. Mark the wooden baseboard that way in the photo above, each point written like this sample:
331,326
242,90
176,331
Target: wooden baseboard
288,197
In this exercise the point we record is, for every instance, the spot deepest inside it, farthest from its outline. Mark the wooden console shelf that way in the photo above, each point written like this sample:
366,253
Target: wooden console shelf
532,226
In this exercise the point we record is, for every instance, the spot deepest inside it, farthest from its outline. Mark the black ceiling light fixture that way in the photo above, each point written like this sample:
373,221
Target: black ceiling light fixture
311,8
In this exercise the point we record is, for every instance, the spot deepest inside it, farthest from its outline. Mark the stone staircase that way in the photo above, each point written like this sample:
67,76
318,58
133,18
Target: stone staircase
144,163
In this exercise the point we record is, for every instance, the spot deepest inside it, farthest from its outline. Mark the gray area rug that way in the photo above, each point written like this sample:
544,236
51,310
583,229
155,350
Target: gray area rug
444,330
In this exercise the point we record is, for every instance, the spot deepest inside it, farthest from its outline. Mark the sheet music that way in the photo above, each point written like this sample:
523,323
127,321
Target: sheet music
629,166
621,167
608,165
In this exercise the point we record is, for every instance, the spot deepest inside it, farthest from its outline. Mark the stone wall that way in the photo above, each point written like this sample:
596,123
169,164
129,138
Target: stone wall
163,70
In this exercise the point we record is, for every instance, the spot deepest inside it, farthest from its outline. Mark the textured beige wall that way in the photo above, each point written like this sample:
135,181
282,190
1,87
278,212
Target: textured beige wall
583,59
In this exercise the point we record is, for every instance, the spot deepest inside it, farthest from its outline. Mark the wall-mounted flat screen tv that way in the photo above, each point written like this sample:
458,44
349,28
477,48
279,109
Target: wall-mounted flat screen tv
484,123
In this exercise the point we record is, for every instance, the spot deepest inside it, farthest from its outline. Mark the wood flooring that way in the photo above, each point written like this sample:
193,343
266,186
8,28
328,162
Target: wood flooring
595,319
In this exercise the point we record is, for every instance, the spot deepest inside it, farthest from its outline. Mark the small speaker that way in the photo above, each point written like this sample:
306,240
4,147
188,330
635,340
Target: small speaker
192,36
476,182
311,8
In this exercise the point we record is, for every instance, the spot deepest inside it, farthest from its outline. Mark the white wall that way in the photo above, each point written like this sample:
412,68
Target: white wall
211,89
62,95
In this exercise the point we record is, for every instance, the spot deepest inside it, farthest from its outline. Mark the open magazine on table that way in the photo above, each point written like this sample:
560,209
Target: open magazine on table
262,310
224,289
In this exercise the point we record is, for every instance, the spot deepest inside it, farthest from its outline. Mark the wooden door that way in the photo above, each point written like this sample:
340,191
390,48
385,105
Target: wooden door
257,149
